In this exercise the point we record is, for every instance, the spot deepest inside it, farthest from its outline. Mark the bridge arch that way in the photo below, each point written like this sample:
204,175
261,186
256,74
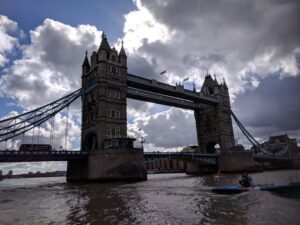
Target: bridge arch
212,147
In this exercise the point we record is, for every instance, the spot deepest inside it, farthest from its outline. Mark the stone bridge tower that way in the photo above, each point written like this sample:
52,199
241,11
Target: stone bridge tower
104,107
104,122
214,124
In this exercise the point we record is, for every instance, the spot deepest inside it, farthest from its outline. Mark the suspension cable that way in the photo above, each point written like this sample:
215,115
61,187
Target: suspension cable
67,124
32,139
245,132
23,135
14,126
38,139
51,130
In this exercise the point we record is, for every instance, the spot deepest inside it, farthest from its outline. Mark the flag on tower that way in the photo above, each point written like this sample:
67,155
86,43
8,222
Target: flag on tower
163,72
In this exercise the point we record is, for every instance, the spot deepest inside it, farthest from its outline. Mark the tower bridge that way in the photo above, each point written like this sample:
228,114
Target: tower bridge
104,106
106,151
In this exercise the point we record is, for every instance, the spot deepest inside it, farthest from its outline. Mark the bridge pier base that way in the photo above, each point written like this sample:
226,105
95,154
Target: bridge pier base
195,168
109,165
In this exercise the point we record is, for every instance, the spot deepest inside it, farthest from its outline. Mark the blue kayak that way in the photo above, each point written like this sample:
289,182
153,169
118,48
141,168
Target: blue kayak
230,189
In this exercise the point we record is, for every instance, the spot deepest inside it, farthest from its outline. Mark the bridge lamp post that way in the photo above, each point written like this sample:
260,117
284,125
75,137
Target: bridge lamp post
142,142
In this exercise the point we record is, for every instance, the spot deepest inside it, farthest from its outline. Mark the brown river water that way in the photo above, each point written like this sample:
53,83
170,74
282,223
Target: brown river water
163,199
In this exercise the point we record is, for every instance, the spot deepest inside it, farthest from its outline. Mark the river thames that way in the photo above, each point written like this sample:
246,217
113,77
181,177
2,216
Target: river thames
163,199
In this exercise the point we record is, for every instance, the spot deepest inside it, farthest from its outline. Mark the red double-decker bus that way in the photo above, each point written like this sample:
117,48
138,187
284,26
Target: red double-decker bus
35,147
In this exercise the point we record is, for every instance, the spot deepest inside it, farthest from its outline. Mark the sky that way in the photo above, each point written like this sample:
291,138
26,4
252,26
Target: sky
253,45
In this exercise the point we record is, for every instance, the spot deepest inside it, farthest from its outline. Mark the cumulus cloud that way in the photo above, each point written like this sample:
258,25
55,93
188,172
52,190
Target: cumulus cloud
50,66
51,132
169,129
9,33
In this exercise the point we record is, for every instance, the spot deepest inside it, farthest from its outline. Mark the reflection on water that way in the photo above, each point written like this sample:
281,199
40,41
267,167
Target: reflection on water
163,199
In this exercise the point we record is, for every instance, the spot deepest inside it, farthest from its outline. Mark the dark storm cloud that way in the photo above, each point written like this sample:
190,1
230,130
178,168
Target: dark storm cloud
140,66
276,19
274,104
237,31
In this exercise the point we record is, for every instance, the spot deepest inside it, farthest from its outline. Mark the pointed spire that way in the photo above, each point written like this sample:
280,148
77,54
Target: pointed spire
224,83
122,51
104,44
86,61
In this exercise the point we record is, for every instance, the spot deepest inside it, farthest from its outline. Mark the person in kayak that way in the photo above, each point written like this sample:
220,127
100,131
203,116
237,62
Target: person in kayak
246,180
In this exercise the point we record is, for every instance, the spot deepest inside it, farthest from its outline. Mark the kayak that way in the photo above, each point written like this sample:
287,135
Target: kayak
231,189
237,189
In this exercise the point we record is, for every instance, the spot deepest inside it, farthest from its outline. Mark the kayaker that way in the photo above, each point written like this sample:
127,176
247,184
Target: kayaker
246,181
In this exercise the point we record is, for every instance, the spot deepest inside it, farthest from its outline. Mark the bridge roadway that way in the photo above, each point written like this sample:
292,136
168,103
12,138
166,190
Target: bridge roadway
35,156
39,156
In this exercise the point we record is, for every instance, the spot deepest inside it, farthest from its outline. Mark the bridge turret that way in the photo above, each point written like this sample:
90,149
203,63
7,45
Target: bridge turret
123,56
104,49
85,65
104,107
85,69
214,124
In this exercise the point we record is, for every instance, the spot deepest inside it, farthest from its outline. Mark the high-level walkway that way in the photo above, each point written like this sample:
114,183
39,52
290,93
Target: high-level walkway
140,88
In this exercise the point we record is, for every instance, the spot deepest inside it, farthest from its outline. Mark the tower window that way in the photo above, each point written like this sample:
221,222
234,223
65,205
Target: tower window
108,113
116,94
117,114
118,132
108,131
114,69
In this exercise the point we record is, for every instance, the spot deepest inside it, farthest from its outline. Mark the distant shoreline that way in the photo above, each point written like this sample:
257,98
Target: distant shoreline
35,175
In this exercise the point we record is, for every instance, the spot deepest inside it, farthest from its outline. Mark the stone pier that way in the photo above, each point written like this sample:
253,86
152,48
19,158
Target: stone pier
109,165
196,168
238,161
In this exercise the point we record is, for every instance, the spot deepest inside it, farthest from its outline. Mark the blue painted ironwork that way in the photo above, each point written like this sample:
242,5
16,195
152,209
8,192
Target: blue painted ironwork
35,156
17,125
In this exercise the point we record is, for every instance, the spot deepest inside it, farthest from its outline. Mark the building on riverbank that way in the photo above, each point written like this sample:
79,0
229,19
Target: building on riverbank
279,142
